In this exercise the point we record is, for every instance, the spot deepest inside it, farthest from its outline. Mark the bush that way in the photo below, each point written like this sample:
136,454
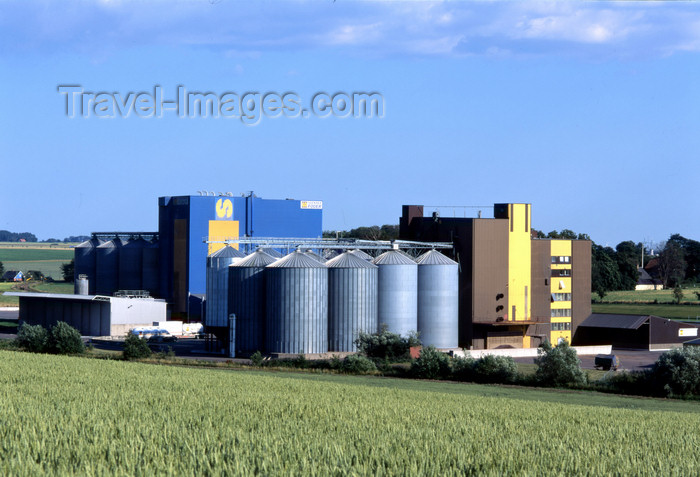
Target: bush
301,362
64,339
257,359
677,294
495,369
636,383
558,366
487,369
432,364
677,372
33,338
135,348
358,364
386,345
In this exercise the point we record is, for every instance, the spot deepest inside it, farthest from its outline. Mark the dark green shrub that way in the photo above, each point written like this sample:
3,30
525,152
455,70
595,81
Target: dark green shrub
135,348
558,366
301,362
463,368
33,338
677,372
495,369
386,345
335,363
677,295
256,359
637,383
64,339
358,364
432,364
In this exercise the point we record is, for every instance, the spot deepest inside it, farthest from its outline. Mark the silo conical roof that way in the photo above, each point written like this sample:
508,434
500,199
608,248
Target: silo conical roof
259,258
315,256
349,260
433,257
227,252
273,252
393,257
363,255
297,259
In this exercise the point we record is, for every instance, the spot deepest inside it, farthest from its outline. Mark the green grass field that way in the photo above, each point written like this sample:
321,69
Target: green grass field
42,258
648,296
674,312
94,417
55,287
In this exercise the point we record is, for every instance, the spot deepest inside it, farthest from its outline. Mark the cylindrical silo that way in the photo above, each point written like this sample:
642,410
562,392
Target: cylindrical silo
352,300
131,265
82,285
315,256
151,267
363,255
273,252
107,267
246,299
84,256
217,285
297,305
438,299
398,292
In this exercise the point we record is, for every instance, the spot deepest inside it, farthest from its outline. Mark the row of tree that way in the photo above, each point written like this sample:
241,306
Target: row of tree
7,236
374,232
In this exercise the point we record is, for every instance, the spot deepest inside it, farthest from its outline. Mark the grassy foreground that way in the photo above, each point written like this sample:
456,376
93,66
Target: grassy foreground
63,415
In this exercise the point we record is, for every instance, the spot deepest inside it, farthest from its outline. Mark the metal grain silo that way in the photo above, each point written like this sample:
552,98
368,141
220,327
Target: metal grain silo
438,298
273,252
246,299
297,305
398,292
217,285
363,255
352,300
131,265
315,256
151,267
85,256
107,267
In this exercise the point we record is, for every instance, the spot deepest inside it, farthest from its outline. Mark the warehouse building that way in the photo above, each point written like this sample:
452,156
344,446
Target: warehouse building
91,315
171,263
515,291
634,331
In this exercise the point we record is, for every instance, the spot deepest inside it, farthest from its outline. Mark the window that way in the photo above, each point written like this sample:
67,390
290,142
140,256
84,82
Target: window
561,273
561,259
561,296
558,313
561,326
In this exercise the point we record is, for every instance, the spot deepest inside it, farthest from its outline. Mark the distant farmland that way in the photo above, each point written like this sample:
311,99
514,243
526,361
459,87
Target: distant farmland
40,257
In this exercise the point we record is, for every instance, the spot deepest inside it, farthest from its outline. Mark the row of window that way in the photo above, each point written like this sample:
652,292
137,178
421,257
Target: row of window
561,312
561,296
560,259
561,326
561,273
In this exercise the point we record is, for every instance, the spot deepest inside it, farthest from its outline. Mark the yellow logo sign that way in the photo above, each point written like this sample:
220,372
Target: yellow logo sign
224,209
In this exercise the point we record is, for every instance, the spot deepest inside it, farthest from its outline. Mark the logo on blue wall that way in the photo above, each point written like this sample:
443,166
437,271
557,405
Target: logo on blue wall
224,209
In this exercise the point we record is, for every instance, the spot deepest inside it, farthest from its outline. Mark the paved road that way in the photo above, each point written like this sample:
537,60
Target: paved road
630,359
9,313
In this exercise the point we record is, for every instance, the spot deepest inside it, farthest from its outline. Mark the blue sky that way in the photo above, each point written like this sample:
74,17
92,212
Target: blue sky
590,111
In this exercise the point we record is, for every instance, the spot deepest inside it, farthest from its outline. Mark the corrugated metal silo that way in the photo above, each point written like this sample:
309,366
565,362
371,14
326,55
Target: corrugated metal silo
82,286
352,300
246,299
107,267
131,265
363,255
151,267
217,285
315,256
273,252
438,300
398,292
85,255
296,305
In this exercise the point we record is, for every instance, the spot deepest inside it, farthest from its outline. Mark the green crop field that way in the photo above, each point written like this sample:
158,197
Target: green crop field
55,287
63,415
45,259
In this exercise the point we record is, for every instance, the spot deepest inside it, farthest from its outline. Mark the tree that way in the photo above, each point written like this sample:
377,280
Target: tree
691,253
64,339
68,271
672,264
2,270
136,348
605,273
677,294
558,366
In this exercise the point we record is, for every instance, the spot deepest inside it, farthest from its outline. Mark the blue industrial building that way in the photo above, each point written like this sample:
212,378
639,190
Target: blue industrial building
185,222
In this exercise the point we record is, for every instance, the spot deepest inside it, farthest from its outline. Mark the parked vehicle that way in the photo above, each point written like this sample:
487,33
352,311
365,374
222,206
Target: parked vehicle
607,362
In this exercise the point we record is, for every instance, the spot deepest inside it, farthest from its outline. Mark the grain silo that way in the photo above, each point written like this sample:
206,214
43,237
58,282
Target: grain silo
131,265
273,252
85,256
315,256
352,300
296,305
363,255
246,300
151,267
107,267
438,299
217,285
398,292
